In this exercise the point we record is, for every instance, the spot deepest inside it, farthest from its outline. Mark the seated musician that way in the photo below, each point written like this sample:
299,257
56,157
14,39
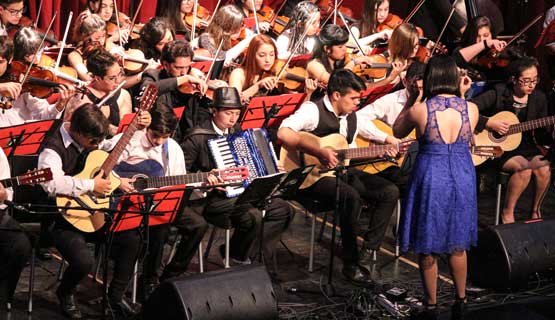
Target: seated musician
522,97
154,153
258,77
26,107
245,6
403,46
176,18
15,247
107,74
306,18
334,114
218,209
155,34
226,28
64,153
477,39
11,12
375,15
386,109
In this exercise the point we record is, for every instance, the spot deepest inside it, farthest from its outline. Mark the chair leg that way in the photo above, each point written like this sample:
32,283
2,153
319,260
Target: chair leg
134,282
31,282
397,222
498,205
311,254
210,242
227,236
200,259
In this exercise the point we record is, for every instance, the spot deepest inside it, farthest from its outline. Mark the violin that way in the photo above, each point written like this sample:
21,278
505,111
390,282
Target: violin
124,24
390,23
202,19
327,7
48,62
376,68
134,61
12,29
424,53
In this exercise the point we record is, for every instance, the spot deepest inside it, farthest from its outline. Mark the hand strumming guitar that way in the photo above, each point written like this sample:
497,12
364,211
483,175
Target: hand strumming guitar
102,186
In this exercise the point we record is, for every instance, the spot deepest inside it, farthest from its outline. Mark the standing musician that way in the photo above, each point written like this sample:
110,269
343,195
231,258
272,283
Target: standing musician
478,39
306,18
65,153
376,23
259,74
520,96
15,247
107,74
334,114
245,6
218,209
25,106
226,26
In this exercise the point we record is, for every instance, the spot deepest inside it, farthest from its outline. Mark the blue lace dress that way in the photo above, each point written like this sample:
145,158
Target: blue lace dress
440,210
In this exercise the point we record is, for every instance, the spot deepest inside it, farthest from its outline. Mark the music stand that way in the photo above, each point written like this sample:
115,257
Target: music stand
27,138
263,112
126,120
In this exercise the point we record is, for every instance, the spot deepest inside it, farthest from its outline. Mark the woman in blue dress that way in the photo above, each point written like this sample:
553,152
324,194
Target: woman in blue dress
440,210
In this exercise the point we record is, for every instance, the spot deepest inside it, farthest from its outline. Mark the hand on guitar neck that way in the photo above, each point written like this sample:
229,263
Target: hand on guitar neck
102,184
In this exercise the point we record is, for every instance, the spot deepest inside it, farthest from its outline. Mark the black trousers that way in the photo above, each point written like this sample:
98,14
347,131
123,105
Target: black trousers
379,193
71,243
15,250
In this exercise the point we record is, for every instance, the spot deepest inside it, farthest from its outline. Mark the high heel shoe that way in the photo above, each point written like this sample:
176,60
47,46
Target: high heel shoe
458,310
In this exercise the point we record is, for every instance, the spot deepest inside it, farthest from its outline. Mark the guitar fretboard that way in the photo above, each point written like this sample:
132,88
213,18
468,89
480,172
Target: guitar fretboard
368,152
9,182
113,157
531,125
157,182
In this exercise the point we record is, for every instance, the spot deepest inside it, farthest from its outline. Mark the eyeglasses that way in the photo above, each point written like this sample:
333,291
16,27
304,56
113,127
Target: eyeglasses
528,82
15,12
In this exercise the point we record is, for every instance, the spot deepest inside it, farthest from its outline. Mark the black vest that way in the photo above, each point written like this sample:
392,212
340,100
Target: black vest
328,122
73,161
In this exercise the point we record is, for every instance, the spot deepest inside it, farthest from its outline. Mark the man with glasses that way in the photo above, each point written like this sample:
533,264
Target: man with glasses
65,153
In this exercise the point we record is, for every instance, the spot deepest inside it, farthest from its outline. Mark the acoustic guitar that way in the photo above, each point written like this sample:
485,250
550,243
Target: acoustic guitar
511,140
85,212
382,165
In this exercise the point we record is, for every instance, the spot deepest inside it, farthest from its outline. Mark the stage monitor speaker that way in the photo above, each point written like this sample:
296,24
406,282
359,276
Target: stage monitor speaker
507,255
242,292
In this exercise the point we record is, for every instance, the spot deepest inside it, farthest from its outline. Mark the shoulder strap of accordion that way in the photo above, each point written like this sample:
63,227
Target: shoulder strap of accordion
198,131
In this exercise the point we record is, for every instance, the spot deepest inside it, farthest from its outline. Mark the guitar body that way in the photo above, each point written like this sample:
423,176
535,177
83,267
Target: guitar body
490,138
292,160
381,166
92,219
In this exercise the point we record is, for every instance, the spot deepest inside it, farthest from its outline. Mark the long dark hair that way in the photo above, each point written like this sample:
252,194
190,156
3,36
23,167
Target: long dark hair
298,23
441,77
369,21
331,35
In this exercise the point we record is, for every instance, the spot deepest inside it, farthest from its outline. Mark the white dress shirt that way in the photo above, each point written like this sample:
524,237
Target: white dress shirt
28,108
5,174
386,109
282,44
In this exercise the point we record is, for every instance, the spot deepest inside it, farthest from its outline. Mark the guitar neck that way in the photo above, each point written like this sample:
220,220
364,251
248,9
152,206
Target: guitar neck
531,125
9,182
368,152
113,157
190,178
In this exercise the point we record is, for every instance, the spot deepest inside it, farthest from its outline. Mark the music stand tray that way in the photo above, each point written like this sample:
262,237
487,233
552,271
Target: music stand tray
27,138
270,111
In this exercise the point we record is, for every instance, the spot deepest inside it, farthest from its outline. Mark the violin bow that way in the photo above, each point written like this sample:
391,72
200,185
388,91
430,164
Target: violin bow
118,24
444,27
139,6
329,16
110,94
335,7
194,26
360,52
63,42
39,48
255,17
36,22
528,26
209,73
278,11
215,9
414,10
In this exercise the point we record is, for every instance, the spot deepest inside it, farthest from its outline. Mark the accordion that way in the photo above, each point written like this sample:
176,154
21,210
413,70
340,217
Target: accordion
251,148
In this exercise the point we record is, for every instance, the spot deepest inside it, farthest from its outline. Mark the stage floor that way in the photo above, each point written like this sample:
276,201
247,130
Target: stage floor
350,302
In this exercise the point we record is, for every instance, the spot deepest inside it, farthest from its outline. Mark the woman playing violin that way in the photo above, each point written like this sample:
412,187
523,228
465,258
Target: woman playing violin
265,13
306,18
478,39
26,107
376,22
259,73
176,18
106,74
11,12
155,34
226,26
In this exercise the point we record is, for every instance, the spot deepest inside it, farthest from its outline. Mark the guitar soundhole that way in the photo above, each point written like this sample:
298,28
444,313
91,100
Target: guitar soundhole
496,137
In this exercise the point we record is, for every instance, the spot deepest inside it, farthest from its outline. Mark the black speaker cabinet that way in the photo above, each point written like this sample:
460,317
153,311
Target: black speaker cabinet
507,255
243,292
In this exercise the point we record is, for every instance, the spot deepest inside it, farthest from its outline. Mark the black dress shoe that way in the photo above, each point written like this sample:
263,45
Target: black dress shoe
357,275
125,309
458,310
68,305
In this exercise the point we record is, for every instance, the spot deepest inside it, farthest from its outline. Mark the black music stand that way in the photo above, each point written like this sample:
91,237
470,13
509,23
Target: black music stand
263,112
